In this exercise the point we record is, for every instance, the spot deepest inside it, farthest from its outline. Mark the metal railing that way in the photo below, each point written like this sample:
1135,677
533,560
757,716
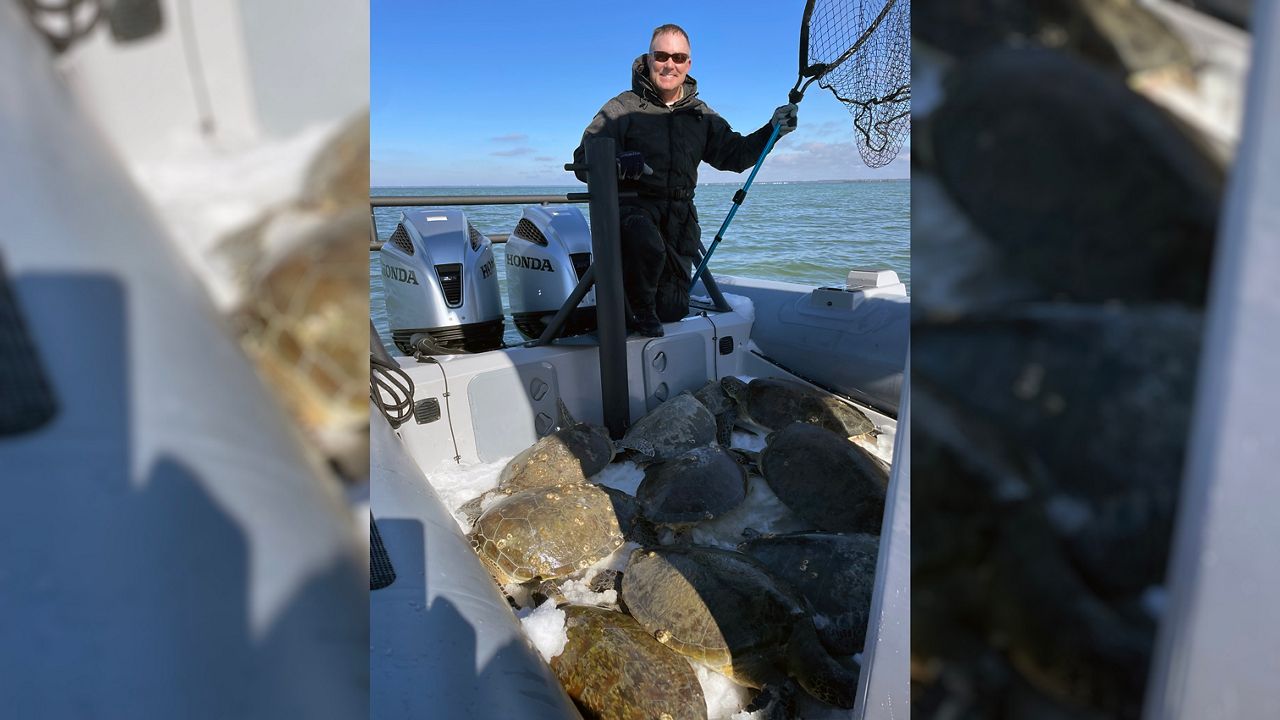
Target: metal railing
449,200
604,273
377,201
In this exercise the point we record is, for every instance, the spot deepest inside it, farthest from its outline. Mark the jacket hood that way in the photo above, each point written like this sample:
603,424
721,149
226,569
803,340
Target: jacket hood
643,86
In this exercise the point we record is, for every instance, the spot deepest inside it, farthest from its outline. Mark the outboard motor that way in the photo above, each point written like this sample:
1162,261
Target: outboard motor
547,253
441,284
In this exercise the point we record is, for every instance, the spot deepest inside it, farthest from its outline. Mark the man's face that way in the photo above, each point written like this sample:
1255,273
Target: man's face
668,75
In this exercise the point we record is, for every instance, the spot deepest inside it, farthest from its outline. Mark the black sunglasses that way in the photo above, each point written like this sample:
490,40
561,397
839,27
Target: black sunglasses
678,58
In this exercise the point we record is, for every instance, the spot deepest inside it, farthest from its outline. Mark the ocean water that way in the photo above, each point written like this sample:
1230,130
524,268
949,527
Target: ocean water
811,233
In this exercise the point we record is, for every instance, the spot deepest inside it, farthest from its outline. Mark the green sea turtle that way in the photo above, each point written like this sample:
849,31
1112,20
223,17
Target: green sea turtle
1120,35
1050,427
725,410
295,281
825,479
727,611
1050,444
772,404
1040,174
614,670
635,526
678,424
698,485
546,533
573,453
834,572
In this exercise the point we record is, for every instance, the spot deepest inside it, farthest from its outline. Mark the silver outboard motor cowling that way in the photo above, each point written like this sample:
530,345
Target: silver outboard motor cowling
441,282
547,254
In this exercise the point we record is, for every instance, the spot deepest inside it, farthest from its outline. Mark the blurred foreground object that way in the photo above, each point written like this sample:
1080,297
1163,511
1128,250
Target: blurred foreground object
1063,231
253,149
1191,64
300,313
1219,646
170,550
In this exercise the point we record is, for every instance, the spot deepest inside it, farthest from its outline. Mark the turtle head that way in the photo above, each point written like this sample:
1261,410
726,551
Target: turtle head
638,445
714,397
733,387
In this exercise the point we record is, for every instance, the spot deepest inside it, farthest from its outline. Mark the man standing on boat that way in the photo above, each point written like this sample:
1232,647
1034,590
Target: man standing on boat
660,122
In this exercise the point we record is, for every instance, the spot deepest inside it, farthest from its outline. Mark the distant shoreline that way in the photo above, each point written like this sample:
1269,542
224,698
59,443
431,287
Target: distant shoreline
709,184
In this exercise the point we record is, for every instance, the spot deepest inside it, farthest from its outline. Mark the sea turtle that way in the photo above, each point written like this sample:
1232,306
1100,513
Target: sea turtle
294,279
698,485
1049,446
1121,35
615,670
635,526
772,404
678,424
573,453
725,410
825,479
727,611
1050,425
834,572
1038,173
547,532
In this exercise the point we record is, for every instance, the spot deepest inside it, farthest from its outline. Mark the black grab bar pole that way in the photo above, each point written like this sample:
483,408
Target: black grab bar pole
606,260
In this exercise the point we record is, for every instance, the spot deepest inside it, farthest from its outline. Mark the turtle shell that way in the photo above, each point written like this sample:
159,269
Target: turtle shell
825,479
834,572
773,403
727,611
547,532
699,485
677,425
615,670
571,454
719,607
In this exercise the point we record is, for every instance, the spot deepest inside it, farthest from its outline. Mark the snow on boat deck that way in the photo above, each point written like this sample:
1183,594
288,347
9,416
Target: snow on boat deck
761,512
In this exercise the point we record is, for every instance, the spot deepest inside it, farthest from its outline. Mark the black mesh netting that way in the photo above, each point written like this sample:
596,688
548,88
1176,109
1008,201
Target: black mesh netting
381,574
874,80
26,394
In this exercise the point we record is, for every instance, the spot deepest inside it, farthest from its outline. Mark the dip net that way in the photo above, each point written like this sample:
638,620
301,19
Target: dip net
861,52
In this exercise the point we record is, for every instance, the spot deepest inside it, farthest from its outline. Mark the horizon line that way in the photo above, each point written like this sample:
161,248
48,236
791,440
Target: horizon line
580,185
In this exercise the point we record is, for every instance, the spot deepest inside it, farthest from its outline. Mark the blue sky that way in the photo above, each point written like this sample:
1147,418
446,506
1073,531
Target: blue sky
498,93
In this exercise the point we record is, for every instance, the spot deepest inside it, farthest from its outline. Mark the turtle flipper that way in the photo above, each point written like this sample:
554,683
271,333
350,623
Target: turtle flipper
544,590
724,426
749,458
816,671
566,418
775,701
471,508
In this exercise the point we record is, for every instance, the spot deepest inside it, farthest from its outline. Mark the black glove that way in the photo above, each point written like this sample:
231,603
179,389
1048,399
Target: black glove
785,115
630,165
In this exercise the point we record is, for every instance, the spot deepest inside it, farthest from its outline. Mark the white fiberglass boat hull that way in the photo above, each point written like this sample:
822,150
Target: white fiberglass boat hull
489,406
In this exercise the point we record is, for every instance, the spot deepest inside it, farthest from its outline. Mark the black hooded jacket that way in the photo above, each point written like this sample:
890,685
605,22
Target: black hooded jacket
673,140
